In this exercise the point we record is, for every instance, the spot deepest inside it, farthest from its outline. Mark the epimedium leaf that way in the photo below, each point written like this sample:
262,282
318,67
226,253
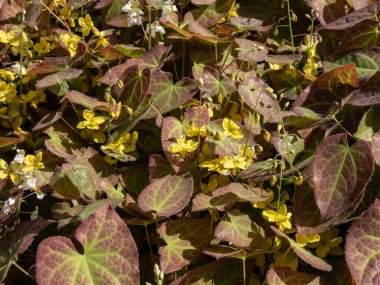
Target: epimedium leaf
376,147
340,174
363,246
239,229
369,124
184,242
18,240
222,251
168,96
9,141
114,9
257,95
58,77
168,195
330,87
109,254
209,15
221,272
50,64
221,197
367,95
304,254
214,83
363,35
328,11
198,115
367,62
286,276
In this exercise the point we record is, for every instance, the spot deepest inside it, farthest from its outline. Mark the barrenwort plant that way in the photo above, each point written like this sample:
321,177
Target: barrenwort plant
189,142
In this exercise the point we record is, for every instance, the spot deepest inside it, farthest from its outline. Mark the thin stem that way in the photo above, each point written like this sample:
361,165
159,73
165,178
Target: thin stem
290,24
147,239
244,273
22,270
149,23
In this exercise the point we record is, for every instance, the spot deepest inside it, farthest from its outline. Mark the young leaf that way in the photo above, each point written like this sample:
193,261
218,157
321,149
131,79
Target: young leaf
304,254
362,247
106,254
340,174
239,230
184,242
168,195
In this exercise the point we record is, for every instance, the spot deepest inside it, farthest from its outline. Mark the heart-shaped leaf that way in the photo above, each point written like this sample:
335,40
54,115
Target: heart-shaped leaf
340,174
214,83
184,242
286,276
363,247
58,77
168,195
239,230
106,254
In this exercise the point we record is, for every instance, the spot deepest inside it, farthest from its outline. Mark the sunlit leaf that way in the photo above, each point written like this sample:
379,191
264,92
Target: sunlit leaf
376,147
286,276
58,77
105,253
216,84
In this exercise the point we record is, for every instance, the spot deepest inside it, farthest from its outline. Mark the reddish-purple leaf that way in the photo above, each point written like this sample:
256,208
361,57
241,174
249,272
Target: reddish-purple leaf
376,147
328,11
106,254
17,241
304,254
167,96
214,83
167,196
368,94
198,115
328,88
221,272
239,230
209,15
47,121
158,167
363,247
50,64
58,77
340,174
286,276
363,35
256,95
7,141
221,251
184,242
221,197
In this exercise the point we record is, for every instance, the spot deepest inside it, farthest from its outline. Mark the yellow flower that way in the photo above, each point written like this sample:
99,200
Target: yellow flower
13,170
264,204
33,97
91,121
6,75
124,144
193,131
33,162
8,92
225,165
183,147
231,129
102,41
281,218
43,46
96,136
17,39
287,259
70,41
87,25
328,243
304,239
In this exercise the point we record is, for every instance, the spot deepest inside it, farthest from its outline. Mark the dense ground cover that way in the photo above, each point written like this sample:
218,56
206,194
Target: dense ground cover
189,142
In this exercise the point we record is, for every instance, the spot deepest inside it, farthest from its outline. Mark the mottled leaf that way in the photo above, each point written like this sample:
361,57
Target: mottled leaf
209,15
221,197
363,247
58,77
50,64
106,254
17,241
221,272
304,254
216,84
328,11
368,94
168,195
184,242
88,102
168,96
239,229
376,147
8,141
286,276
340,173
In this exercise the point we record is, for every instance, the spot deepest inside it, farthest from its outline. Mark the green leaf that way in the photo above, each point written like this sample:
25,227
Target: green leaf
105,253
216,84
167,196
114,9
239,230
369,124
340,174
367,63
209,15
167,96
376,147
304,254
184,240
363,246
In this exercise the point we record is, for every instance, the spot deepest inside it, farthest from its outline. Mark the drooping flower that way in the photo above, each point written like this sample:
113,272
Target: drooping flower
231,129
193,131
155,28
43,46
18,68
70,41
134,16
183,147
19,158
33,162
91,121
227,165
87,25
7,205
168,7
126,143
30,183
304,239
329,243
281,218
